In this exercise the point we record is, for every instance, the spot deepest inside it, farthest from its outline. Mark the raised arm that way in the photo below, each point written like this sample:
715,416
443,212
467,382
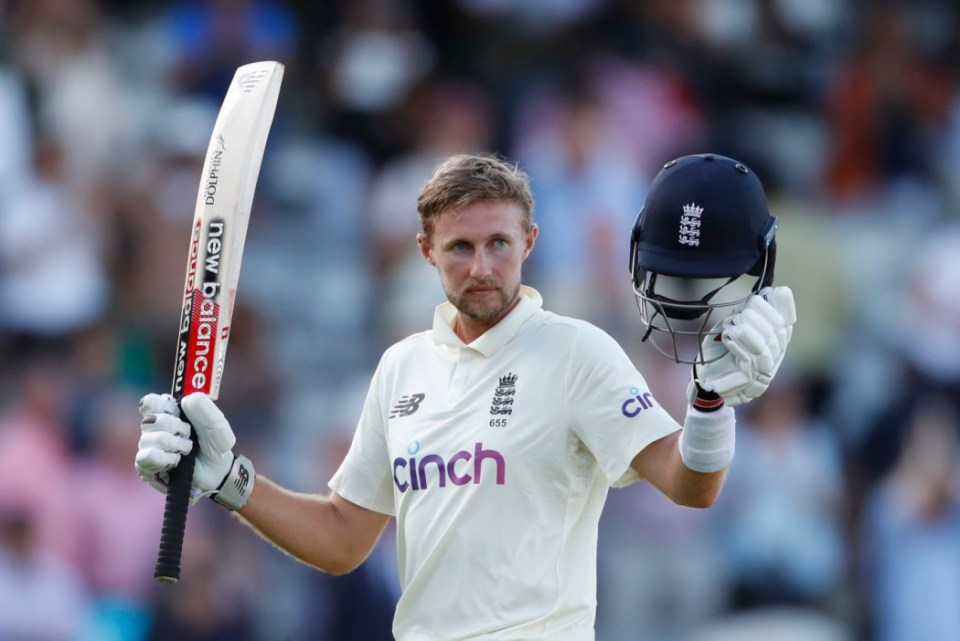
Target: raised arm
329,533
689,466
662,465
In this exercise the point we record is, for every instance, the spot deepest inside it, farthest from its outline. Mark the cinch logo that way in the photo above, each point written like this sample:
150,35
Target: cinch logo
457,469
633,406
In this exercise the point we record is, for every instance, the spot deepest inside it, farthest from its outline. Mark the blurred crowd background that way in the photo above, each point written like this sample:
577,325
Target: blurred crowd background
841,518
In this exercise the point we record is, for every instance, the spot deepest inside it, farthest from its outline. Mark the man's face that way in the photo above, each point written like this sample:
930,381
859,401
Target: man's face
478,251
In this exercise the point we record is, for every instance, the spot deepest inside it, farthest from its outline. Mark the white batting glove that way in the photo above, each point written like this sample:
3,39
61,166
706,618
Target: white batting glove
164,438
746,355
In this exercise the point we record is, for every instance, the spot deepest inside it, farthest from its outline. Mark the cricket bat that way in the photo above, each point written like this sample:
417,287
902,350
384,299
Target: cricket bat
222,212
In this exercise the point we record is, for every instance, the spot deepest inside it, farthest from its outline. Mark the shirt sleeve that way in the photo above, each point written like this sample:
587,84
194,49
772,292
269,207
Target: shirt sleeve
610,405
364,476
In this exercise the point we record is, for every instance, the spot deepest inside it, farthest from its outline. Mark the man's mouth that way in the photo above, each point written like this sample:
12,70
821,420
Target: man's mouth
481,289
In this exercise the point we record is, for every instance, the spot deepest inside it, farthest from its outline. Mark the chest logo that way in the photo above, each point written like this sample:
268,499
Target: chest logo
503,396
407,405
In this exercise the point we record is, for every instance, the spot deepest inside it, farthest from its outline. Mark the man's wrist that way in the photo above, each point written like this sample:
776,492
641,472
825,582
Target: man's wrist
237,485
708,440
706,401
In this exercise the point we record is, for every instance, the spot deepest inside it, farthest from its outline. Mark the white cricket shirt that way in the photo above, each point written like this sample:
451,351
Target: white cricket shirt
495,458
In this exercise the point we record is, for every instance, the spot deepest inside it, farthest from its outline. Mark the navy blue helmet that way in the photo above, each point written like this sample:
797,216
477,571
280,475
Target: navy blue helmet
704,226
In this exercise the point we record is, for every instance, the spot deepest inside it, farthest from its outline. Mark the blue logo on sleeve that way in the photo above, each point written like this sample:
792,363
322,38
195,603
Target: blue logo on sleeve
636,403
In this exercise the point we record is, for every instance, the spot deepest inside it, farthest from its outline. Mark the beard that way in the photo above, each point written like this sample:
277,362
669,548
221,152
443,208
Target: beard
479,308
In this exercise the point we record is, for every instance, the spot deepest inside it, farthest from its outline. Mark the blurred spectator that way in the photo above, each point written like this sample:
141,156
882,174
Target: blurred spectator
886,107
41,596
119,524
52,277
360,605
102,364
588,185
948,153
80,99
825,289
658,576
650,108
152,216
591,144
534,17
250,383
310,223
929,334
370,64
779,521
911,532
35,458
784,623
918,322
210,602
16,156
206,40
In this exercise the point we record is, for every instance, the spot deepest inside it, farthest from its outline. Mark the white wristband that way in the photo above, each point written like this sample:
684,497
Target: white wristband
237,485
707,439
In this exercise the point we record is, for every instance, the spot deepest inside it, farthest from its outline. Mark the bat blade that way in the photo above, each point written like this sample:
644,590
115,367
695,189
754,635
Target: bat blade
221,216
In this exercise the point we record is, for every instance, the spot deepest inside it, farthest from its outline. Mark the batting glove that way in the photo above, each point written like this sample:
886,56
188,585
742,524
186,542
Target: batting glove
745,356
226,478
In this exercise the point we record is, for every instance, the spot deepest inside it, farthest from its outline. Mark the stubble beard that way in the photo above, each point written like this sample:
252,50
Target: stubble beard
480,312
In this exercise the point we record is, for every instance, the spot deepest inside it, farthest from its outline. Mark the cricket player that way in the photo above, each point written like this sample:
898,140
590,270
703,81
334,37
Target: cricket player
493,437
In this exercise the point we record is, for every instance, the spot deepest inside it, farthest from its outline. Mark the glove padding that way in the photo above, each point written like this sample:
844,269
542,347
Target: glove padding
746,354
165,438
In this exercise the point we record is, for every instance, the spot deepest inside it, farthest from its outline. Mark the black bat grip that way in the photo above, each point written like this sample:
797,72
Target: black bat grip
167,569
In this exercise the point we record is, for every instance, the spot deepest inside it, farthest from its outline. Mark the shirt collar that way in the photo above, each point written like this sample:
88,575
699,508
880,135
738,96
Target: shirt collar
494,338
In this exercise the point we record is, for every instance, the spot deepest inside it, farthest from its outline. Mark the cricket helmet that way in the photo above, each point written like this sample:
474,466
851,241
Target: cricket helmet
701,235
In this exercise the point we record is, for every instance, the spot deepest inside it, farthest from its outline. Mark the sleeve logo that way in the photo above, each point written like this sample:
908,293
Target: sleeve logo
636,403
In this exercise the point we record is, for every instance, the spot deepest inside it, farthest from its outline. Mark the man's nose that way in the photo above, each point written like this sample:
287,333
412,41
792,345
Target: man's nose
481,265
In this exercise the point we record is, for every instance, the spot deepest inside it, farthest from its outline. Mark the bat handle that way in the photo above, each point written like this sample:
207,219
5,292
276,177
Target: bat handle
167,569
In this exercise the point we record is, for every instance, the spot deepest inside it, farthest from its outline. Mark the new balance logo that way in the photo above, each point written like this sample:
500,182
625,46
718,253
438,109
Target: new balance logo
407,405
243,478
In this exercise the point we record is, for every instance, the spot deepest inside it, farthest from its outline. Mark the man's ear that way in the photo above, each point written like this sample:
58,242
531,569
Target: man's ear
530,240
425,250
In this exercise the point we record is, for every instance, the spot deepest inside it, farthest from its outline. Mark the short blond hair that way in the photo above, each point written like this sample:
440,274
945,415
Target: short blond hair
464,179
